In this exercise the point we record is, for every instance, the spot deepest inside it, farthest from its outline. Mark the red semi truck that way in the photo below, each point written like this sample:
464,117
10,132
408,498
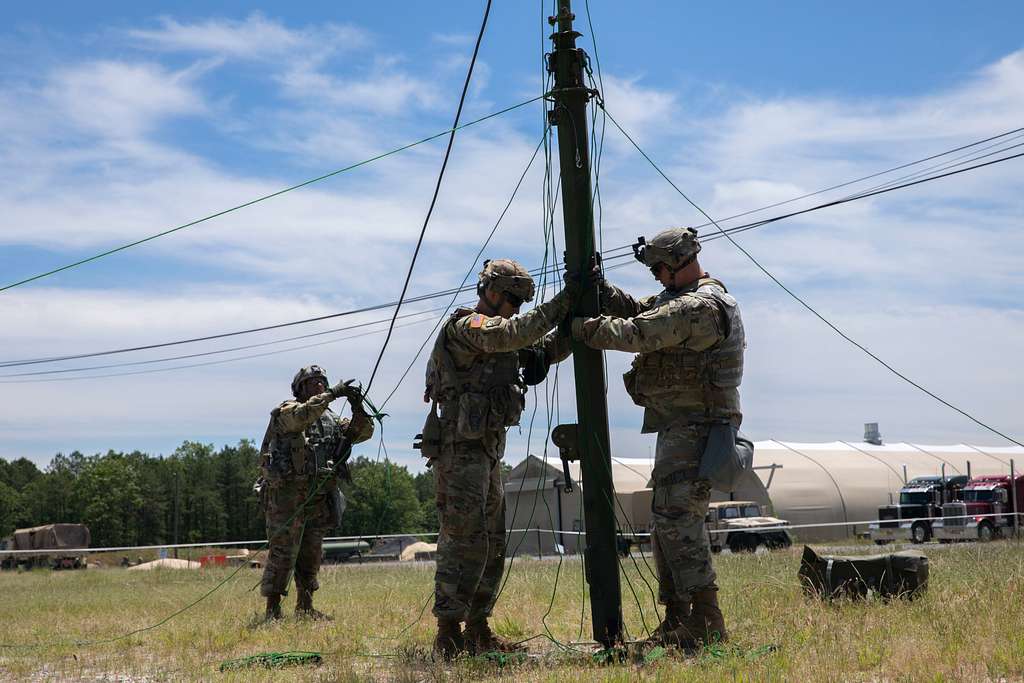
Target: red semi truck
984,511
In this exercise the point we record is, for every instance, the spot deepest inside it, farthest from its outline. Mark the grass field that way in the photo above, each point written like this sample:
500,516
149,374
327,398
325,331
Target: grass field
969,626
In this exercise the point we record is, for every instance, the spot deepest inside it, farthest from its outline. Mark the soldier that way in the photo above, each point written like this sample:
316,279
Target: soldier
299,483
477,392
689,344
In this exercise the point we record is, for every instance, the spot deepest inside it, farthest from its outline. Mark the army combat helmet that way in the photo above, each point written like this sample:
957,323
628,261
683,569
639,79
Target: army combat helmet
675,247
507,277
308,372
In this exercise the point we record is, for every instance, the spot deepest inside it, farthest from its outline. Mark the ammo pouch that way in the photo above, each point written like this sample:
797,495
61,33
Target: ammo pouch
473,410
480,413
336,504
429,441
727,457
903,575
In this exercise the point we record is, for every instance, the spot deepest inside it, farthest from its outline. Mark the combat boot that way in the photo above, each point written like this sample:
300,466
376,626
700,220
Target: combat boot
449,642
304,607
273,608
675,615
480,639
706,621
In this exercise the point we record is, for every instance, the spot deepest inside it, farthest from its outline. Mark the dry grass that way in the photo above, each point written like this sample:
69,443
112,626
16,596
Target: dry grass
970,626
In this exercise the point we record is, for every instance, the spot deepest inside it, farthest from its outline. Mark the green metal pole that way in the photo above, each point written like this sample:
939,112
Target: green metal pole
569,115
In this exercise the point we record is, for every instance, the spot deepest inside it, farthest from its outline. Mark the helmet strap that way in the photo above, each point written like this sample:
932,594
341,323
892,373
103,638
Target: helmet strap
493,310
681,266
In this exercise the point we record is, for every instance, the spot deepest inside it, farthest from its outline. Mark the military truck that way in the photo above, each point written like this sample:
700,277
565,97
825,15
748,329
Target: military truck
983,512
740,526
344,551
56,537
920,498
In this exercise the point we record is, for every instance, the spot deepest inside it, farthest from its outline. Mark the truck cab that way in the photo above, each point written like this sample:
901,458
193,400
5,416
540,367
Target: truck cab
921,499
740,526
984,511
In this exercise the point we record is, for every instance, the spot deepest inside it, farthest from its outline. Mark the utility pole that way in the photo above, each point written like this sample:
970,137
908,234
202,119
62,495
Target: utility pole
590,436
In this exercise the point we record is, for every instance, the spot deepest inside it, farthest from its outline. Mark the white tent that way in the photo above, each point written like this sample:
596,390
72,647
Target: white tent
804,483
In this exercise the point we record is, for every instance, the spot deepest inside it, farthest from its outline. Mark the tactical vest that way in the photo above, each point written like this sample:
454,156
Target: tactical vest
305,453
697,386
485,396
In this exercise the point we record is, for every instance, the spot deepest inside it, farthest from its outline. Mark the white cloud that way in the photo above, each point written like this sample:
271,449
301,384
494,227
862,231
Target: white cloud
300,60
929,277
253,38
122,100
453,39
644,112
384,91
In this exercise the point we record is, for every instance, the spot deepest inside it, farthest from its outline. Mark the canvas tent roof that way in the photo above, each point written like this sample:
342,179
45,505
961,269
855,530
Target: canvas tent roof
810,483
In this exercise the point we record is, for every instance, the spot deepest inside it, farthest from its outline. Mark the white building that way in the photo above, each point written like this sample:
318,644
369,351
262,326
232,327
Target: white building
804,483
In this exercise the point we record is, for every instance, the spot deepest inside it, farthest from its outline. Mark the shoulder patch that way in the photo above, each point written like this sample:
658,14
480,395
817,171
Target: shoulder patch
492,323
477,321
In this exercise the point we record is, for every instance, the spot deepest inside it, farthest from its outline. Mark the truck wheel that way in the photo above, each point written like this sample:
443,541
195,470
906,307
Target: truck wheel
739,544
920,533
985,532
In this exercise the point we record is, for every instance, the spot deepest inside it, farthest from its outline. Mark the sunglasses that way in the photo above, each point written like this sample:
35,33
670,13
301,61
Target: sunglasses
514,300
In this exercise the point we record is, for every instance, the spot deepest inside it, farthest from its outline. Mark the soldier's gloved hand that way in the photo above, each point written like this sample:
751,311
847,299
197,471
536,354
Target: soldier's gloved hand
353,393
534,362
596,272
577,328
573,282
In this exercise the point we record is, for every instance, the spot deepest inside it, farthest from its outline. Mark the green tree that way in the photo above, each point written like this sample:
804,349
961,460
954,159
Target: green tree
426,494
55,497
10,509
109,488
151,522
18,473
202,514
381,499
238,468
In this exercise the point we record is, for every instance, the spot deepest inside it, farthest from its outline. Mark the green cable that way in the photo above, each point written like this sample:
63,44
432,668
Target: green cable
101,641
273,660
265,197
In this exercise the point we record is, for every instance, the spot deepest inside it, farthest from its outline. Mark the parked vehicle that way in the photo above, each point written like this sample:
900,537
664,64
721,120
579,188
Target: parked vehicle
983,513
343,551
742,527
920,499
56,537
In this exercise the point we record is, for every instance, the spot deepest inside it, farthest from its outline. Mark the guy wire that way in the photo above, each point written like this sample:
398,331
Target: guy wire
731,231
437,191
811,309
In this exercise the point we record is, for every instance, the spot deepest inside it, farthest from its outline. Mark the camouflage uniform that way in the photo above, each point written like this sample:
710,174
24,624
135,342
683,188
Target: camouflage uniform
474,381
301,438
686,375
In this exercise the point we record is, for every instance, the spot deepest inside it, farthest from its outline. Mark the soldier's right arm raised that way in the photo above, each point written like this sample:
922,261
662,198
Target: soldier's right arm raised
621,304
691,322
295,416
497,335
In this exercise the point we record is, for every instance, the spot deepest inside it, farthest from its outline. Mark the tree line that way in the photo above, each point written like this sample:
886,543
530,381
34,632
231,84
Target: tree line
197,494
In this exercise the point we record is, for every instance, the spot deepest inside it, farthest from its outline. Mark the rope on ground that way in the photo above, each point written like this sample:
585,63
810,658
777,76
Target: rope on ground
273,660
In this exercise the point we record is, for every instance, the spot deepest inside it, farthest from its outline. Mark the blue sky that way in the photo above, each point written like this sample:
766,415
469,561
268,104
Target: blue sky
120,121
